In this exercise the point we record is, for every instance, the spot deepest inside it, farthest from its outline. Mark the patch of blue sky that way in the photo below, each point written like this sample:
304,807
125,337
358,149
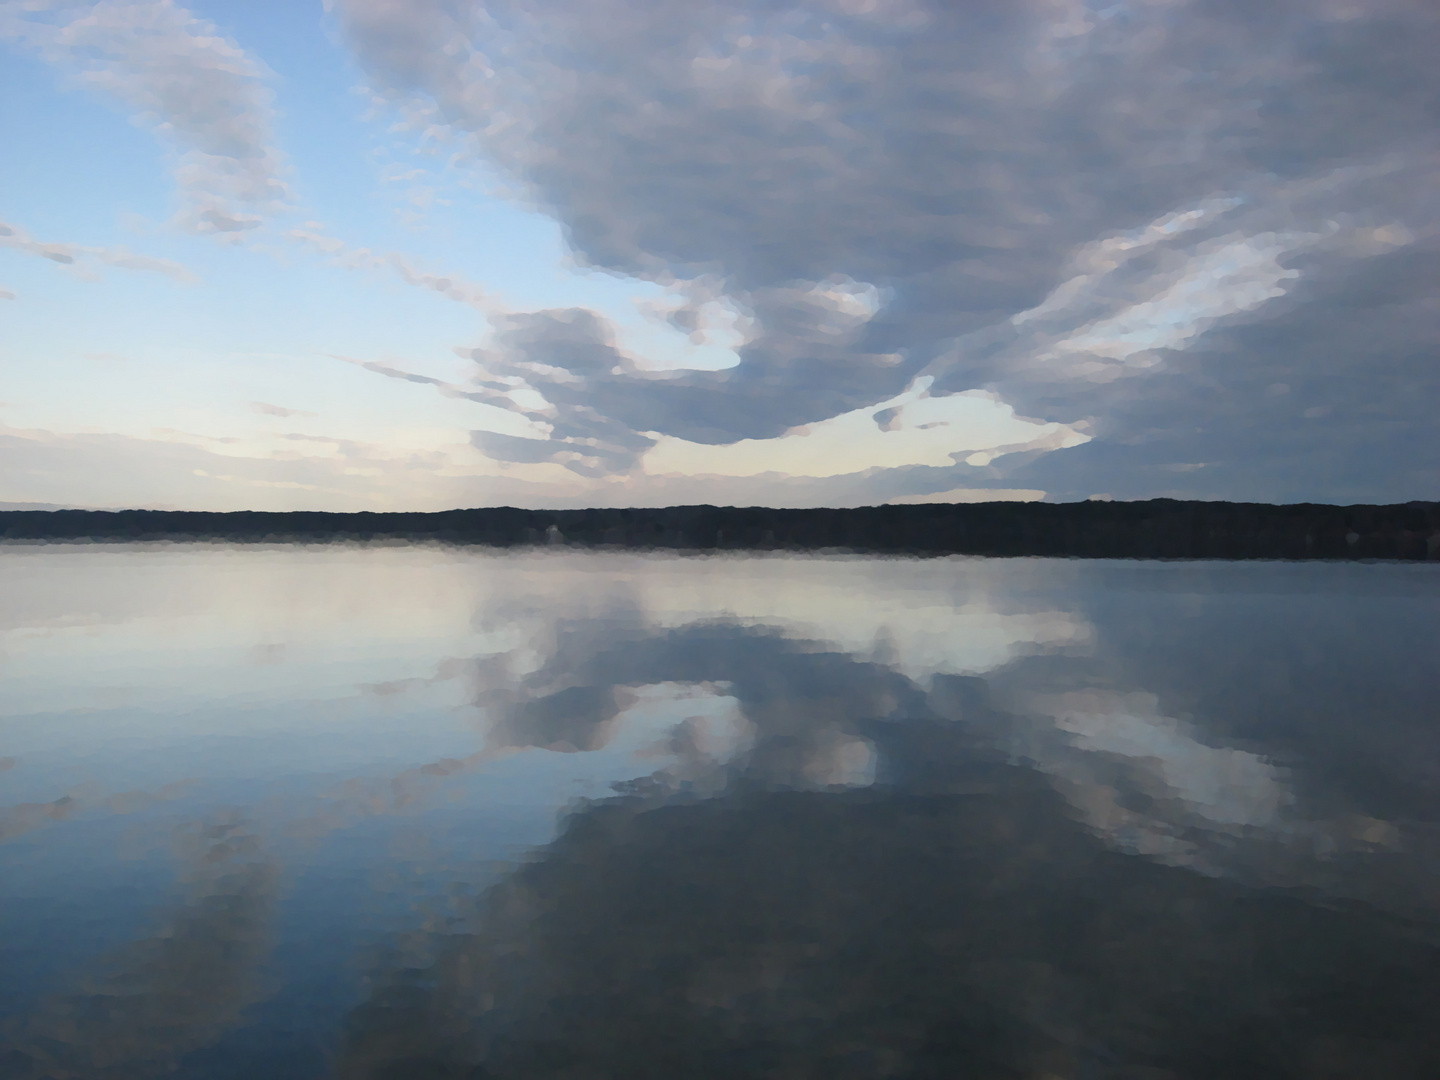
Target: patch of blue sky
74,166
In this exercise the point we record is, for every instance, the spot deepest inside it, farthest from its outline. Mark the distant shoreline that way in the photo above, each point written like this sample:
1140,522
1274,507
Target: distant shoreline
1154,529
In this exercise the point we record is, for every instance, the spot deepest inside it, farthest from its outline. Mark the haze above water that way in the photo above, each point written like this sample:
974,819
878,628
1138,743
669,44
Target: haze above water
412,811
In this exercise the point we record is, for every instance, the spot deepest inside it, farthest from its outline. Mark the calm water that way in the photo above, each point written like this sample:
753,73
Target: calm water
411,812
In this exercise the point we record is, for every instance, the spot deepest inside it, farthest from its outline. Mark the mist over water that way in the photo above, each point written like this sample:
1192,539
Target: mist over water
415,811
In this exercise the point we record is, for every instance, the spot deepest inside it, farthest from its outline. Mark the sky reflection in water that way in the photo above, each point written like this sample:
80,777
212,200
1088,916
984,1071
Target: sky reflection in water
418,812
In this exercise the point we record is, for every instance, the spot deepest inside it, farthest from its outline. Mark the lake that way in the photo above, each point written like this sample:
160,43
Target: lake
409,811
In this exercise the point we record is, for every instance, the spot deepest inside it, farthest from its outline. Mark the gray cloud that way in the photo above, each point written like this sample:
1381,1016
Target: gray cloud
883,188
601,404
201,94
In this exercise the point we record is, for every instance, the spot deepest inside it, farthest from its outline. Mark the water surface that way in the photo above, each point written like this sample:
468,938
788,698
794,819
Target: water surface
410,811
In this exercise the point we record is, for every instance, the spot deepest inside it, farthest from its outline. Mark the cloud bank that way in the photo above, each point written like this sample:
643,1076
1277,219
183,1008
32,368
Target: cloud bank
1198,232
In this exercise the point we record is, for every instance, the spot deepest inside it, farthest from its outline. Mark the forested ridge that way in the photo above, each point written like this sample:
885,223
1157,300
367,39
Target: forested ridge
1158,528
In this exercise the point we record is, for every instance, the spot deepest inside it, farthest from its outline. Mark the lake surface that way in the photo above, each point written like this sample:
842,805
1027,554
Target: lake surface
418,812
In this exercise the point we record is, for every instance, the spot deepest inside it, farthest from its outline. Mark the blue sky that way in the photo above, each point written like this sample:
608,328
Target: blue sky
367,255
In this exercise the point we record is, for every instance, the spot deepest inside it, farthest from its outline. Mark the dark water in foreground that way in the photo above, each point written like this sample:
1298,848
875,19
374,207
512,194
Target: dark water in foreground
411,812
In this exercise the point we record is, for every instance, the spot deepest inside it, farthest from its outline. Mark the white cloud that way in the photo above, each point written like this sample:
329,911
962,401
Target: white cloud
15,238
1232,276
918,430
450,286
201,94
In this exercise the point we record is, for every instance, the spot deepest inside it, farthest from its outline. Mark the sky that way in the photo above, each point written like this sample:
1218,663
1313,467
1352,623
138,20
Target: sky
425,254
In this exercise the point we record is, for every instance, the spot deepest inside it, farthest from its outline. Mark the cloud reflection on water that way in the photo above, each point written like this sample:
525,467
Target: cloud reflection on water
806,777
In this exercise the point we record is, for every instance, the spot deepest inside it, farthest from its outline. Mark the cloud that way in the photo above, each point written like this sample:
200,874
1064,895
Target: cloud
98,470
1330,398
264,408
912,429
301,471
970,495
447,285
602,405
1108,217
201,94
15,238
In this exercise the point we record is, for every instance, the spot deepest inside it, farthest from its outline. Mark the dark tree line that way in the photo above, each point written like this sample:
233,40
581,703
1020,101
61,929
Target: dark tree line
1159,528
